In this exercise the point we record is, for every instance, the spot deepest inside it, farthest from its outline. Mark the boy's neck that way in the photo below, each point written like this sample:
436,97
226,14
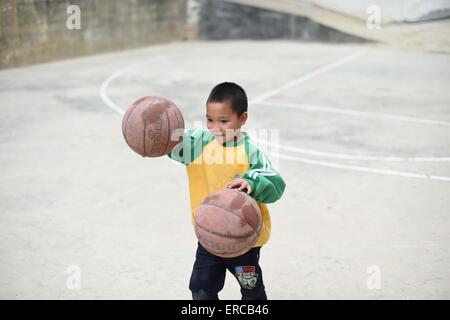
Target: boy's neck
238,138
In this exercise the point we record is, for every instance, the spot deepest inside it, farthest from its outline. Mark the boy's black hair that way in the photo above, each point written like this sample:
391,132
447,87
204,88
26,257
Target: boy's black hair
231,92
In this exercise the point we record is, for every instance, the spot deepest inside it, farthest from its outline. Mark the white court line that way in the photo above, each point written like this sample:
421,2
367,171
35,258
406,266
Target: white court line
355,157
414,246
354,113
120,72
364,169
308,76
340,62
107,82
104,96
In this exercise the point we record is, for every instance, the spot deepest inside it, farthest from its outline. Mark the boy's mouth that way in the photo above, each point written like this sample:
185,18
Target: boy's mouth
217,134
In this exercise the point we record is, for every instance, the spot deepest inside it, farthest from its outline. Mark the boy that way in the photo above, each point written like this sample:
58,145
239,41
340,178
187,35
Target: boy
226,157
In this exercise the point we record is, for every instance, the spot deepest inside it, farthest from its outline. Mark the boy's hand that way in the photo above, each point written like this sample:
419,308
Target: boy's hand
240,184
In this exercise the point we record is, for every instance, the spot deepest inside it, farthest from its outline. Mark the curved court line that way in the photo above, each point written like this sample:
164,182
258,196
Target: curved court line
354,113
104,87
355,157
104,96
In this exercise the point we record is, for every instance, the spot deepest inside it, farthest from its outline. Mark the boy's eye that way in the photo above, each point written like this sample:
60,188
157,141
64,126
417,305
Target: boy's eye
209,120
224,121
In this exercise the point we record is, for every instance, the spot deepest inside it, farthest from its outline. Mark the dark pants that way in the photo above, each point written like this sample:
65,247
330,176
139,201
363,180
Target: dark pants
208,275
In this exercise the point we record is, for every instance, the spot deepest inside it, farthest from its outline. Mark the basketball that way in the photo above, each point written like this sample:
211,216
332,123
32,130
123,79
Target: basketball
152,126
228,222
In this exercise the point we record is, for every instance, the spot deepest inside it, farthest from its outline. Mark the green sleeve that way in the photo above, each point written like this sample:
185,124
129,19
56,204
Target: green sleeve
191,146
267,184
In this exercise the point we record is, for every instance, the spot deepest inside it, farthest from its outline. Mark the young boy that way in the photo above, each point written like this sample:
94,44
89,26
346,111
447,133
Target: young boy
224,156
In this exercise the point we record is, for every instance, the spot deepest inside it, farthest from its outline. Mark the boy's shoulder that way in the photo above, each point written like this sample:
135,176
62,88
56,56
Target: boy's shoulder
191,146
252,145
255,150
195,137
197,133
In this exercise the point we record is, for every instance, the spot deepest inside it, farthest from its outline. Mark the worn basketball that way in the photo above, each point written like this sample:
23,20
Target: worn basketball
228,222
152,126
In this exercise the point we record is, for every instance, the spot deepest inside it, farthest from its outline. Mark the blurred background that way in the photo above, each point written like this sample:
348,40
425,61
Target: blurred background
32,32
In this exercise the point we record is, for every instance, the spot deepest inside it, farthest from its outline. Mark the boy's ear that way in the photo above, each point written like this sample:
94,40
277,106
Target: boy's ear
243,118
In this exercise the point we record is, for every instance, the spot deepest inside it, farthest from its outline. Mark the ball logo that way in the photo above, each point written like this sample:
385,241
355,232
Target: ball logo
155,135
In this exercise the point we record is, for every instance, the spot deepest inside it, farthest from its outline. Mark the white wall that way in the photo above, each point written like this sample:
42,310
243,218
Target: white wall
391,10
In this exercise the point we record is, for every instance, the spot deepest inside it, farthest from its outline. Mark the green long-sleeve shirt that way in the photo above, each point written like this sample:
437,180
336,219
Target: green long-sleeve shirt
212,165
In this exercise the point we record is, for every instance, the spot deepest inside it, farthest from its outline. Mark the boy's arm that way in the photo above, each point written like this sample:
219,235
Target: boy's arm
177,153
267,184
190,147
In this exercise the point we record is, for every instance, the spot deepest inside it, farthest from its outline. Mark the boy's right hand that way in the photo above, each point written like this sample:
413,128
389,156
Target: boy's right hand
240,184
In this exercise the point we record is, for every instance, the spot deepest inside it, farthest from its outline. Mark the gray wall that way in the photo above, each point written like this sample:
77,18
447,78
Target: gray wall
226,20
34,31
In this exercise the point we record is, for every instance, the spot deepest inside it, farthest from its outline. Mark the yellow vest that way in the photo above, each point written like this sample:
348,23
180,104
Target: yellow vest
212,165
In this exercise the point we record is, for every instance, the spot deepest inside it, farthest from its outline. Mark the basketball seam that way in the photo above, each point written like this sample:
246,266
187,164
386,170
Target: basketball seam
145,134
169,133
233,252
180,121
145,125
225,235
229,210
256,210
126,123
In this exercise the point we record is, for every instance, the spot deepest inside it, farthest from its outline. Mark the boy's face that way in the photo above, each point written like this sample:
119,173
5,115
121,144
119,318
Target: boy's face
223,122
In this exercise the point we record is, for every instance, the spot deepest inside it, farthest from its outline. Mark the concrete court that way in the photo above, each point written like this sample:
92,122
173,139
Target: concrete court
366,149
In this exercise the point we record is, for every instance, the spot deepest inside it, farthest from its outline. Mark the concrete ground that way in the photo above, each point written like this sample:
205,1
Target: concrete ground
364,147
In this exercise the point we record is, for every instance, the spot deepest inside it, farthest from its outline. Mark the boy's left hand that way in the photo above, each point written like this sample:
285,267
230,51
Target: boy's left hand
240,184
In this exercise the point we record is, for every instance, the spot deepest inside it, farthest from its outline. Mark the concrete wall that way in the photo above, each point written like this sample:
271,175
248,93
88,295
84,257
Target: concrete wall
227,20
33,31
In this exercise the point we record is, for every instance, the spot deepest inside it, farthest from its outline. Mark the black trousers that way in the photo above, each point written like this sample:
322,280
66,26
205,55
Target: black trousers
208,275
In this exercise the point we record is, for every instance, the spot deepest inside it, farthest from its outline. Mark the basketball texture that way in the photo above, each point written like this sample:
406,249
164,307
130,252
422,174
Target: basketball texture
152,126
228,223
